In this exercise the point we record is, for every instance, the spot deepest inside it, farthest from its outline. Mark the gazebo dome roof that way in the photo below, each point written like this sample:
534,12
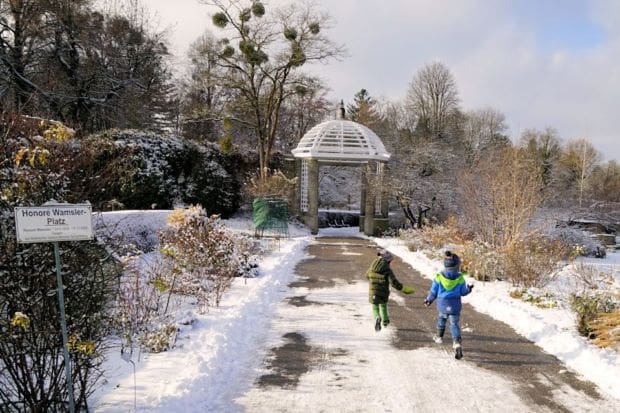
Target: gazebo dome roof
341,140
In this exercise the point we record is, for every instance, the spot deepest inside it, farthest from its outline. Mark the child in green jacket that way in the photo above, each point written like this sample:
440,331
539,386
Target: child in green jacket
380,277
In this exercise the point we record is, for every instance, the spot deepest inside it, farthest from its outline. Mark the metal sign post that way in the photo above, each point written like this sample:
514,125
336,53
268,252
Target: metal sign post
63,328
53,223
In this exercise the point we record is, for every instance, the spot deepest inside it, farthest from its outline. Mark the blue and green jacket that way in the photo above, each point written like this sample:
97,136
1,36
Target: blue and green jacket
448,287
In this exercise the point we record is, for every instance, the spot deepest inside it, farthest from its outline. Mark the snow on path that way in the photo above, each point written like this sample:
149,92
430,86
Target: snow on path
212,359
371,375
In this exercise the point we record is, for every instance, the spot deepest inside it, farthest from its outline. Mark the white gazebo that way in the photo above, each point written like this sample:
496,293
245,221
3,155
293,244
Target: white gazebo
344,142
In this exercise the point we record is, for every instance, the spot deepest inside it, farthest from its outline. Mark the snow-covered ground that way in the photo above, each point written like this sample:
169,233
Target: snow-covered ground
218,355
553,329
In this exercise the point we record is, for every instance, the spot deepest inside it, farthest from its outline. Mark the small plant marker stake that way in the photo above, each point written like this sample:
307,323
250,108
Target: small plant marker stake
63,327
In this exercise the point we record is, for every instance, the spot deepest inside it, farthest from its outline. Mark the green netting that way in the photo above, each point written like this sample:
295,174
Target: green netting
270,216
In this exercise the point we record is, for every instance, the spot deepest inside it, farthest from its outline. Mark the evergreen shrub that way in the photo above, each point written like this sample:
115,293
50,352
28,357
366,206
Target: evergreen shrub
142,170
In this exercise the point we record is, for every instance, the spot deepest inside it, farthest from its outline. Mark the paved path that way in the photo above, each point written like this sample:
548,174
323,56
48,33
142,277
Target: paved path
539,381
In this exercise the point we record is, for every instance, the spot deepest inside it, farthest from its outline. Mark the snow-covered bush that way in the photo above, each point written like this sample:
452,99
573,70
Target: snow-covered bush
140,299
590,307
129,233
520,263
535,296
481,261
444,234
585,276
197,261
414,239
532,261
580,242
143,170
205,255
141,240
160,339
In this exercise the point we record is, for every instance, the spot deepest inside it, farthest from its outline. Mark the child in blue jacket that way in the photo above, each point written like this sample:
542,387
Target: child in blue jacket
448,287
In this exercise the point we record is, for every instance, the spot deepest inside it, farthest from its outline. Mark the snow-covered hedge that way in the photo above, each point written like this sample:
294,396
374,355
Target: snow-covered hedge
144,170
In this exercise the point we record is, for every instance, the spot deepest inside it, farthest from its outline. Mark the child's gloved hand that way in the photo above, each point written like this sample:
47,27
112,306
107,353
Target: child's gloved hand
470,286
407,290
426,302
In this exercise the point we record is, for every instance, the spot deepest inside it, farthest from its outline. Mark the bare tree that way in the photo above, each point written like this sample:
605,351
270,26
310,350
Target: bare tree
396,128
302,110
422,171
484,130
544,147
111,66
577,163
203,99
262,57
605,182
433,97
500,196
22,47
93,70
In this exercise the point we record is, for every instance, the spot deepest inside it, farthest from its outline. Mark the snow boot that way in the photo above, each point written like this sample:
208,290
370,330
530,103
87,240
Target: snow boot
378,324
458,349
386,323
438,337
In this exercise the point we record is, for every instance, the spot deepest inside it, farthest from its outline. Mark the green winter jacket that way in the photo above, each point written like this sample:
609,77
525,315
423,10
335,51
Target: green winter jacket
380,277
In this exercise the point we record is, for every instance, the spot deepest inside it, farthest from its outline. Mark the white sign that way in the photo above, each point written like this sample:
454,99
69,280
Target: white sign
50,223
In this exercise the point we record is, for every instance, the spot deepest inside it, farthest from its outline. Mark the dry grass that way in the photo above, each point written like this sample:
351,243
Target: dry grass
606,330
274,184
529,262
447,233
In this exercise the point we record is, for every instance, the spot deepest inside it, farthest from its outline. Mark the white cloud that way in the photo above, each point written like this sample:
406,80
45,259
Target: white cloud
494,51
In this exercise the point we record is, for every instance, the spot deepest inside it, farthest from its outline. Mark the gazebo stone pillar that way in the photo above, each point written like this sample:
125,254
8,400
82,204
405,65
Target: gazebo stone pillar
312,216
382,222
363,200
385,202
375,221
369,204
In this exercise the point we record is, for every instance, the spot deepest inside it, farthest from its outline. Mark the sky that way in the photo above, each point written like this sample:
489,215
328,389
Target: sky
219,355
543,63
